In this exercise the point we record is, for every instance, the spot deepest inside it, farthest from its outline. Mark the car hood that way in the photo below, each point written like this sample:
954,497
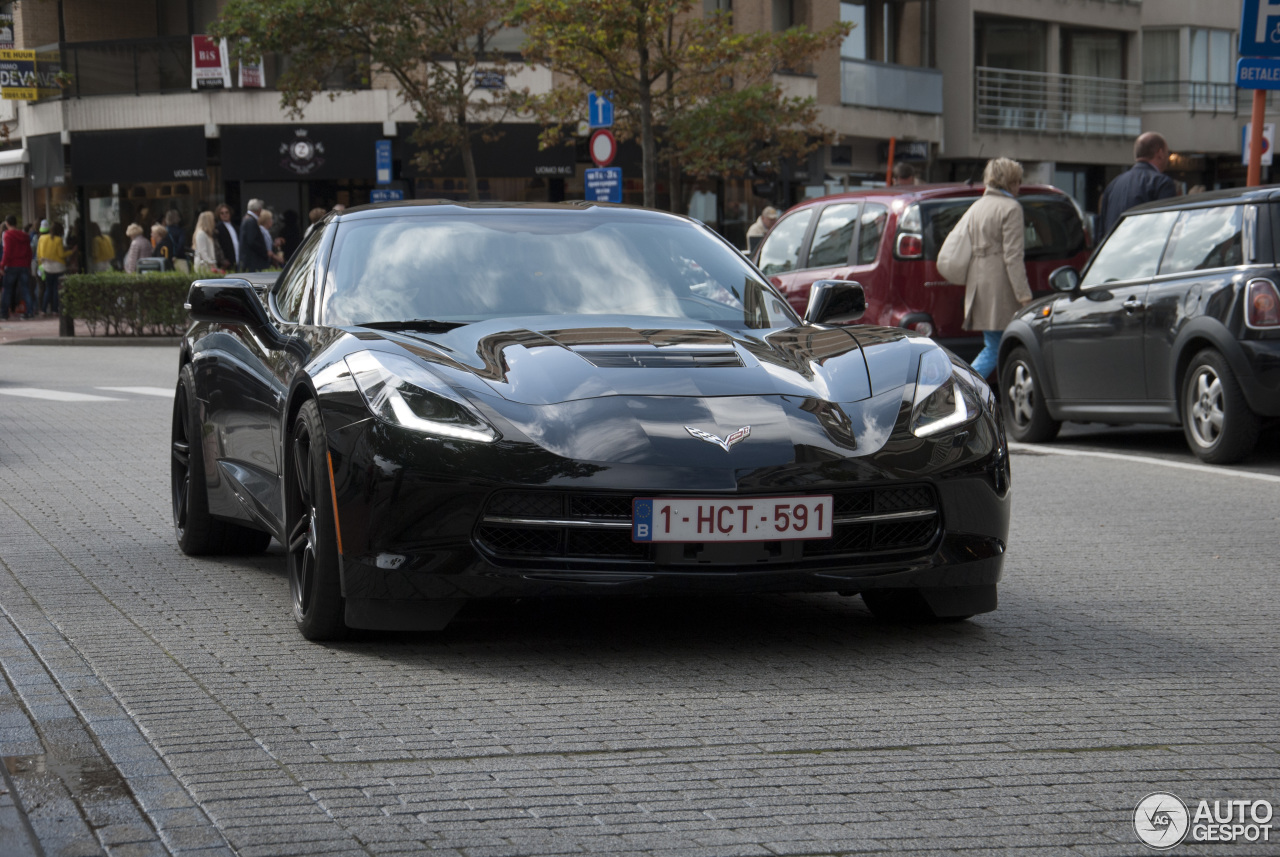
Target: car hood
571,358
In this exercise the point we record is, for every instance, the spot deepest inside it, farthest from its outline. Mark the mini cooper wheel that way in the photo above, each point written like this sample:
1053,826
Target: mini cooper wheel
314,587
1021,399
198,532
1216,419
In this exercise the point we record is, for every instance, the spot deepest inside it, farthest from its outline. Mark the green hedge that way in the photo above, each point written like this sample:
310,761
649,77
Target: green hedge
128,304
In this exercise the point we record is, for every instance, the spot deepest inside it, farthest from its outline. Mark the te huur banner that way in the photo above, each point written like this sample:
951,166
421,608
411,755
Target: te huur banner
28,75
210,68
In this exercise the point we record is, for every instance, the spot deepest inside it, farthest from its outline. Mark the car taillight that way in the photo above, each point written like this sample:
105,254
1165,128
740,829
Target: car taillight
910,246
1262,304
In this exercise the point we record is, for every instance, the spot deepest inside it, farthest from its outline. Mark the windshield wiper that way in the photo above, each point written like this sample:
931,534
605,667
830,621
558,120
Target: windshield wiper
419,325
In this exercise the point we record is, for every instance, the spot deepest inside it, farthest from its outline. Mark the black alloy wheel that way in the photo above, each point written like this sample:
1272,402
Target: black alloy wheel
198,532
1025,415
1218,424
314,586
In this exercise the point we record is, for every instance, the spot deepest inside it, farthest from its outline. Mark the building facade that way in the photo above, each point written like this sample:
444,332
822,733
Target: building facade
118,135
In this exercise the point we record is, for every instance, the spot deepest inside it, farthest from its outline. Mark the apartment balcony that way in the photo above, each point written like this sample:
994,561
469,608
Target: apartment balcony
890,87
147,66
1038,102
1195,97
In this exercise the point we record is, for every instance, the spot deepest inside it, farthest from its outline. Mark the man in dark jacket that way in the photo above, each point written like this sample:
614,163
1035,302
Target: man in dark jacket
228,238
16,262
1142,182
253,247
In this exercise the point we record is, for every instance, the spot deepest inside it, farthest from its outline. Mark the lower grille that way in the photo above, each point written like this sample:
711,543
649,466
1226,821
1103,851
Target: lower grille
557,525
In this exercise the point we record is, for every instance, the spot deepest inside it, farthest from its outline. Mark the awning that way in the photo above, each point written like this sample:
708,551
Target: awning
13,163
138,155
299,152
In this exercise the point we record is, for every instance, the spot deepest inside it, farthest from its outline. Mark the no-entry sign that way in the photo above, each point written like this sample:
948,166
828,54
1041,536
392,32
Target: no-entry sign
603,147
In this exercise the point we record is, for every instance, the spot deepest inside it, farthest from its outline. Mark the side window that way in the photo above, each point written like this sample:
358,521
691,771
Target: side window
1205,238
781,250
294,281
873,220
1133,249
833,237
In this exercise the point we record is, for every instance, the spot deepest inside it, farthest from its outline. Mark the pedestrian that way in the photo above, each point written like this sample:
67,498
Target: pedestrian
206,258
16,261
51,253
1142,182
103,249
253,249
177,234
760,228
37,272
904,174
996,283
275,259
162,246
228,238
139,247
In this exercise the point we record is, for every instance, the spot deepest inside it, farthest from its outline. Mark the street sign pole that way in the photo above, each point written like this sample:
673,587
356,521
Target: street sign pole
1254,176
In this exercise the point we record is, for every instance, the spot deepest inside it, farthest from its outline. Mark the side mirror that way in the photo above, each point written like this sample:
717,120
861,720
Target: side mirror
1064,279
835,302
233,301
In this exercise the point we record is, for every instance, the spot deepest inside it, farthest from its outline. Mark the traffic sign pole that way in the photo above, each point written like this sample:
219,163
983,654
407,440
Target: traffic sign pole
1254,176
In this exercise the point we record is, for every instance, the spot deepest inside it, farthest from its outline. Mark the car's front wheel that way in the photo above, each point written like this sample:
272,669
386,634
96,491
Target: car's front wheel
1021,398
314,585
1219,426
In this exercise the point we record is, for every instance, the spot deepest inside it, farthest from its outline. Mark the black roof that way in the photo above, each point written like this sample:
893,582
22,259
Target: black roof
1208,198
434,206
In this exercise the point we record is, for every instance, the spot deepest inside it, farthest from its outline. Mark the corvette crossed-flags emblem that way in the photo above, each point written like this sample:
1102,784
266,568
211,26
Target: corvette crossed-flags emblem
724,444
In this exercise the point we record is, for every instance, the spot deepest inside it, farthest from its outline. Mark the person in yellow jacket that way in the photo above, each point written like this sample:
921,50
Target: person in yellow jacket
51,255
103,251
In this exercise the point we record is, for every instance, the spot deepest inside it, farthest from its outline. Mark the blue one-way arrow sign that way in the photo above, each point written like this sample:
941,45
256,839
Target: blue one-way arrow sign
599,110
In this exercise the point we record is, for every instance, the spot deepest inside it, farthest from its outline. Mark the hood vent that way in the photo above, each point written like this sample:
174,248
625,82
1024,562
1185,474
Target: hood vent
661,359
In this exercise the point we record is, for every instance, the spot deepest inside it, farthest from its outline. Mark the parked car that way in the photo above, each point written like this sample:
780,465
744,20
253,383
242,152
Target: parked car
444,402
1175,320
888,239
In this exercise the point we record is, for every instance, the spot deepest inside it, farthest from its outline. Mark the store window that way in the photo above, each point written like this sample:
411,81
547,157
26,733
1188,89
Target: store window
174,204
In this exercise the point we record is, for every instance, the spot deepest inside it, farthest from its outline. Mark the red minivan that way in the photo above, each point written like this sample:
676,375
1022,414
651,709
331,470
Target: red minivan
888,238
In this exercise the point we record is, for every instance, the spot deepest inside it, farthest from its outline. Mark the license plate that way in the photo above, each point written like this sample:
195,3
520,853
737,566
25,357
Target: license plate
737,519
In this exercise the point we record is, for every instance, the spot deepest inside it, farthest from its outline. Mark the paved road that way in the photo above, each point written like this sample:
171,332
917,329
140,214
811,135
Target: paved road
155,704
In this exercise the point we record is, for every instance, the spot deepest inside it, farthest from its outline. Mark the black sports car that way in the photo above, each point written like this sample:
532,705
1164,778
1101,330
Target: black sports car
439,402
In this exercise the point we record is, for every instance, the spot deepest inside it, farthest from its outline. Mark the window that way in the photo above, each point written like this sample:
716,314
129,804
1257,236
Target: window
1210,72
711,7
781,250
784,15
1093,53
295,281
895,31
1132,251
873,220
1160,72
833,237
1012,45
1205,238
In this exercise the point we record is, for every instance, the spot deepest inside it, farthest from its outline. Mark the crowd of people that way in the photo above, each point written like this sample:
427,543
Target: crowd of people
36,257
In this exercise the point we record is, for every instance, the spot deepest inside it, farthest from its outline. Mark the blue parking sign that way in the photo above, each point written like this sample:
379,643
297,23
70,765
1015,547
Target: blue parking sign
1260,28
599,110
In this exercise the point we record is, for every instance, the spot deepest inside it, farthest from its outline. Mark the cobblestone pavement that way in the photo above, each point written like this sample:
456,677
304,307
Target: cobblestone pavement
156,704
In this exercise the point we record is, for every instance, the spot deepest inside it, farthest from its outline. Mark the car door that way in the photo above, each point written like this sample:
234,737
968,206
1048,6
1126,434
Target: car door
1205,251
1096,346
782,254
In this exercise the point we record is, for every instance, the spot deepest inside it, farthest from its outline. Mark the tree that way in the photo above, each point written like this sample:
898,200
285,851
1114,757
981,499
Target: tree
435,50
708,91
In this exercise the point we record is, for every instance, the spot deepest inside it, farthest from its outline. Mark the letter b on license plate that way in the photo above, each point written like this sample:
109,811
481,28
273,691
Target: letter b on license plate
730,519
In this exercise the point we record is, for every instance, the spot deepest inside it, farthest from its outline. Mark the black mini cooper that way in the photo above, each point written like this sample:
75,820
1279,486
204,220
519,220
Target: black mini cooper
1175,320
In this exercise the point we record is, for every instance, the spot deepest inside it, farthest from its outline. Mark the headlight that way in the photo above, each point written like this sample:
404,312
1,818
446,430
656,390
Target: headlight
940,402
399,391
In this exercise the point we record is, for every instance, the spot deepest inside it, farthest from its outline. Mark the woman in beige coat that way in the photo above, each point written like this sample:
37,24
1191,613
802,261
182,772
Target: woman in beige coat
996,285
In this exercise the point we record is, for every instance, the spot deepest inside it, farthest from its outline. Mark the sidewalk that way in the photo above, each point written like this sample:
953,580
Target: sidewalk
44,331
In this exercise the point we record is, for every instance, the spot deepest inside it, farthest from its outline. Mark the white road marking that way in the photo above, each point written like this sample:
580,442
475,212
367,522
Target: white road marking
163,392
55,395
1142,459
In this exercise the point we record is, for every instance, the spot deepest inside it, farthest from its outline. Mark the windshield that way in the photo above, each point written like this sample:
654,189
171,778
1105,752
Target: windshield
1051,226
472,265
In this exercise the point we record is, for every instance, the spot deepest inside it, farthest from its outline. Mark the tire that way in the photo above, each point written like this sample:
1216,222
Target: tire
315,589
903,605
198,532
1025,416
1218,424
